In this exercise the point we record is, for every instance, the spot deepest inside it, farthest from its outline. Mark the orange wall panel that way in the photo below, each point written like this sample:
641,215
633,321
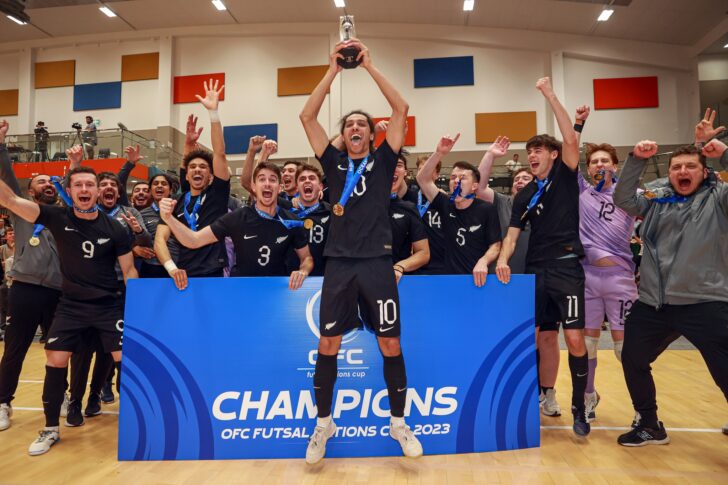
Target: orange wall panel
55,74
8,102
517,125
138,67
293,81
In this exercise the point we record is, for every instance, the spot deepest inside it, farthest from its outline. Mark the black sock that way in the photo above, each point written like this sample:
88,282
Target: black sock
395,376
324,378
544,389
54,386
118,377
579,367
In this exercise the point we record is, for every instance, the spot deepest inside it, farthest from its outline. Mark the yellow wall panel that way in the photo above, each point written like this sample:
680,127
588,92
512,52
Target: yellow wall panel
517,125
8,102
55,74
299,80
138,67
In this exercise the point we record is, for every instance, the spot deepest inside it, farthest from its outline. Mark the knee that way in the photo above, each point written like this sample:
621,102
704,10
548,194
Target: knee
575,341
390,347
548,339
57,359
329,345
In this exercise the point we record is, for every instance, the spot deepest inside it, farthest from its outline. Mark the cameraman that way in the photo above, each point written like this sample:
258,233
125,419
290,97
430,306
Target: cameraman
41,143
89,137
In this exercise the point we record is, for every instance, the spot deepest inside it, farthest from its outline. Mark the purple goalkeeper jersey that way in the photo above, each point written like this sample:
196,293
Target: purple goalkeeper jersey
604,228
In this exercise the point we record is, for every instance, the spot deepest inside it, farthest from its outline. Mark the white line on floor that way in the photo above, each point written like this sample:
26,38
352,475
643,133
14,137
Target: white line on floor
41,409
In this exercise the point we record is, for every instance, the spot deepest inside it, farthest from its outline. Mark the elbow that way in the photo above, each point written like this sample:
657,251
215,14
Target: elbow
305,116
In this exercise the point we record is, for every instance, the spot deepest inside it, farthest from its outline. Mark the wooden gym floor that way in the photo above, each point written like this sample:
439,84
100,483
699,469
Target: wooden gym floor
691,406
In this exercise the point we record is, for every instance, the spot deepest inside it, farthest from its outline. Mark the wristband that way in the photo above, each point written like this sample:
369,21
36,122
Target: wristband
399,267
214,116
578,127
170,267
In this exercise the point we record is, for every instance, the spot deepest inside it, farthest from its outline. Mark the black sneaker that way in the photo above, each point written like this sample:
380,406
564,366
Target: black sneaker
581,426
641,436
93,406
107,394
74,416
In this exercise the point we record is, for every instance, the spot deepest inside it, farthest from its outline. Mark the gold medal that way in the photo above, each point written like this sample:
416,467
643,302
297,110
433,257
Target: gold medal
34,241
599,176
650,194
338,210
308,223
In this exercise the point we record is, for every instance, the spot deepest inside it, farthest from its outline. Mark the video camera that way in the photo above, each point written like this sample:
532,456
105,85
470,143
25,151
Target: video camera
76,126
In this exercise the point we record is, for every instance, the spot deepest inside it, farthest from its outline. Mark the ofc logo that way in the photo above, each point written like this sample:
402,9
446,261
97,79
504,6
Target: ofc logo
350,356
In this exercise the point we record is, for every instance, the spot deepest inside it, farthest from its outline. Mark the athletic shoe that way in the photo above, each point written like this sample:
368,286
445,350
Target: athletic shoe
317,444
591,399
93,406
6,411
74,417
402,433
64,406
641,436
541,397
550,407
107,394
46,438
581,426
725,429
636,420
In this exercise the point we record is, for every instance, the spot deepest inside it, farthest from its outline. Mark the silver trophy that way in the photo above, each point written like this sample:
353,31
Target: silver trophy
346,32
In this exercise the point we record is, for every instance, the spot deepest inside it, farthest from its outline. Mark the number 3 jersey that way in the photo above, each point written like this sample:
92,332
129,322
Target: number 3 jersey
604,228
88,251
261,245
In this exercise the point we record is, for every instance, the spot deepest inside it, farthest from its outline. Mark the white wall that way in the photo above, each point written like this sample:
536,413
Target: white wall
9,79
713,67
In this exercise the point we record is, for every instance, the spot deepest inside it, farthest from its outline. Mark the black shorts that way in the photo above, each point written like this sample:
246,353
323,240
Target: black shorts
350,283
559,294
73,319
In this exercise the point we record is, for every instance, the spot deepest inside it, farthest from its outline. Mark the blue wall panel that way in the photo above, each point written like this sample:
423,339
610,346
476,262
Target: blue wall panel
444,71
96,96
237,137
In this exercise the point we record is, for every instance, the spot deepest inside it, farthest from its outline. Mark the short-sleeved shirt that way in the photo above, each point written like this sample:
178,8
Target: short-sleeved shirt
504,205
433,227
213,205
364,230
469,232
316,237
88,251
261,245
407,228
554,219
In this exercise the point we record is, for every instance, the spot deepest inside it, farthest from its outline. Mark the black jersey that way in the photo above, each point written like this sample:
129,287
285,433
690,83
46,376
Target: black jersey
261,245
364,230
407,228
284,202
433,227
316,237
213,205
151,219
504,205
468,232
88,251
554,219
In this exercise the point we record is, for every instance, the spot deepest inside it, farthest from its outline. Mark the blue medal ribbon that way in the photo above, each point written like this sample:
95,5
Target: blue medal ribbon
155,207
303,212
112,213
542,184
600,185
287,223
56,181
422,208
393,195
191,217
352,178
671,199
458,190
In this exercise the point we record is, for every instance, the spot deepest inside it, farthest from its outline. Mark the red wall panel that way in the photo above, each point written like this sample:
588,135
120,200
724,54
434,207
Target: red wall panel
626,92
409,139
185,87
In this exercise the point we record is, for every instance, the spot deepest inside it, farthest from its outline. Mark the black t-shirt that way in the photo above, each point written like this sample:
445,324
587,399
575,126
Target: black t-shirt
435,234
407,228
284,202
88,251
554,219
151,221
364,230
517,263
261,245
213,205
316,237
468,232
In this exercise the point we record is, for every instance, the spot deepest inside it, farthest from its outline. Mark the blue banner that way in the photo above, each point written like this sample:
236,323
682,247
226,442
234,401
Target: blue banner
224,370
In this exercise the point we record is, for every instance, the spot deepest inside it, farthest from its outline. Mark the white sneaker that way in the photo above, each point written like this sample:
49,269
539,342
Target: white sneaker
550,407
64,406
46,438
317,444
411,446
591,399
6,411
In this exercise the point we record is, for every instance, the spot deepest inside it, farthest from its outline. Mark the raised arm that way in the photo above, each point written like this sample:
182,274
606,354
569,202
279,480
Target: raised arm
316,134
21,207
704,130
424,176
7,174
210,102
496,150
570,148
133,155
625,193
186,237
246,178
398,121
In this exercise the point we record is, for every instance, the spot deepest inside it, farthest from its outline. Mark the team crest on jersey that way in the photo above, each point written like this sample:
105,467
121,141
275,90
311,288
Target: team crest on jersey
370,165
103,240
474,228
281,239
397,216
324,219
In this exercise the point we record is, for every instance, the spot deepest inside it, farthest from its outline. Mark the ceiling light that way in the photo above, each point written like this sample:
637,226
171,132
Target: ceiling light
219,5
339,3
604,16
107,11
724,47
19,22
468,5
